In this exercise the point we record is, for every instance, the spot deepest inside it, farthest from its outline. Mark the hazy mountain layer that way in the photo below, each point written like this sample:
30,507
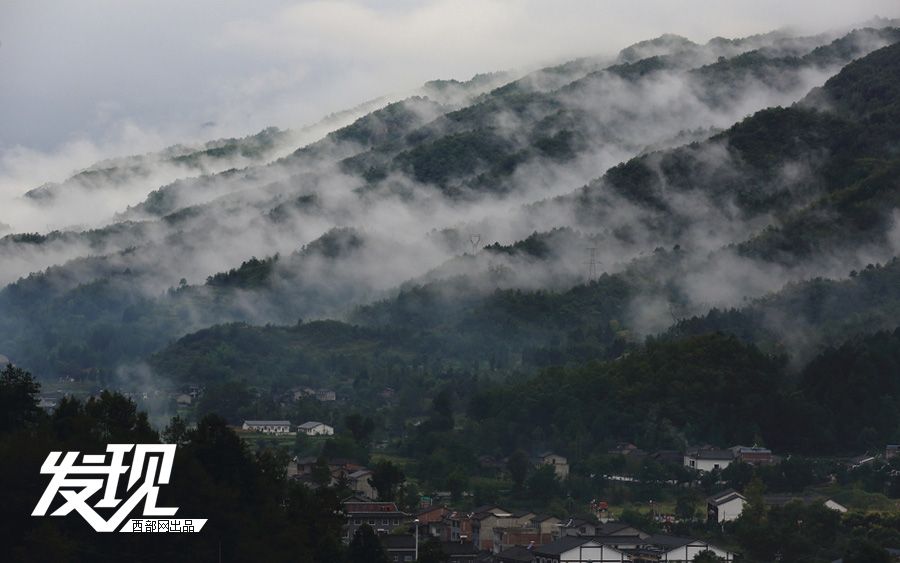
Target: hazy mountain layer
676,178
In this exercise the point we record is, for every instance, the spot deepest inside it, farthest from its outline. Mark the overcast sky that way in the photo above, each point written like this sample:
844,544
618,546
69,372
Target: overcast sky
85,79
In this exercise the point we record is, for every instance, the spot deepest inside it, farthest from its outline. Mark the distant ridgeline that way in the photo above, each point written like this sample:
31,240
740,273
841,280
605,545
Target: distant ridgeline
686,227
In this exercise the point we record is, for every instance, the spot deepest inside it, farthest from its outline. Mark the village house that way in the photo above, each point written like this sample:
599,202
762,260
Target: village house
431,520
294,394
359,482
859,460
325,395
668,456
617,529
314,428
663,547
516,554
384,517
560,463
195,390
341,468
573,549
518,529
49,401
458,527
485,519
728,505
623,448
292,470
301,470
432,513
576,527
633,548
586,528
268,426
462,552
506,537
547,527
754,455
725,506
400,548
810,499
299,466
708,459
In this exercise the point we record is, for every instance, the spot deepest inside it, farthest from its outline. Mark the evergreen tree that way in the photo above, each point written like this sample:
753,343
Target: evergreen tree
18,407
430,551
386,478
518,468
365,547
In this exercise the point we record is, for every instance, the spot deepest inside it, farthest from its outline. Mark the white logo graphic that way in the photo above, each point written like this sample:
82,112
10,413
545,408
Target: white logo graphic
78,483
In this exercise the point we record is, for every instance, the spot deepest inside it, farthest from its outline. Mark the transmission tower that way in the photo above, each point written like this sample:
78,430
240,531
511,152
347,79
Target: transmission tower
474,239
592,264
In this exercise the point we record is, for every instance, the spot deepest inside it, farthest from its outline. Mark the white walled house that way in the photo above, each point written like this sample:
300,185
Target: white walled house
725,506
359,483
314,428
560,463
574,549
683,550
812,498
268,426
708,459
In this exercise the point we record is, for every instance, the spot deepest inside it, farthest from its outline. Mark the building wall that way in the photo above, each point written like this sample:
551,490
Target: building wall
706,464
505,538
730,510
381,522
559,463
597,553
268,428
687,553
321,430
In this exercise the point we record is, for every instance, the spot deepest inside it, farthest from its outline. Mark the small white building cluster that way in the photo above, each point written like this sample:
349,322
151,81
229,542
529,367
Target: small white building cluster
282,427
708,458
314,428
268,426
728,505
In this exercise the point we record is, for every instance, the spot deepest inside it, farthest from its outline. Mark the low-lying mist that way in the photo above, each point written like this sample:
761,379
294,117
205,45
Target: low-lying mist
344,237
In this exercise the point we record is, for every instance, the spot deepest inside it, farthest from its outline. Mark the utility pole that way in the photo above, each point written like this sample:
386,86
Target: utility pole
416,521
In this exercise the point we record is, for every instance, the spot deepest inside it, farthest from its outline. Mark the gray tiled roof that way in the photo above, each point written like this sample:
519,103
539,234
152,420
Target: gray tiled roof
667,541
517,554
562,545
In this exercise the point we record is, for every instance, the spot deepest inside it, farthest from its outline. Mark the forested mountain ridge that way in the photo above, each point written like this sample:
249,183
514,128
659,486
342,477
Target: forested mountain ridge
451,228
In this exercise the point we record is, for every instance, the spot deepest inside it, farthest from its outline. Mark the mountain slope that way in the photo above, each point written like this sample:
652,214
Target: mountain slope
406,195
